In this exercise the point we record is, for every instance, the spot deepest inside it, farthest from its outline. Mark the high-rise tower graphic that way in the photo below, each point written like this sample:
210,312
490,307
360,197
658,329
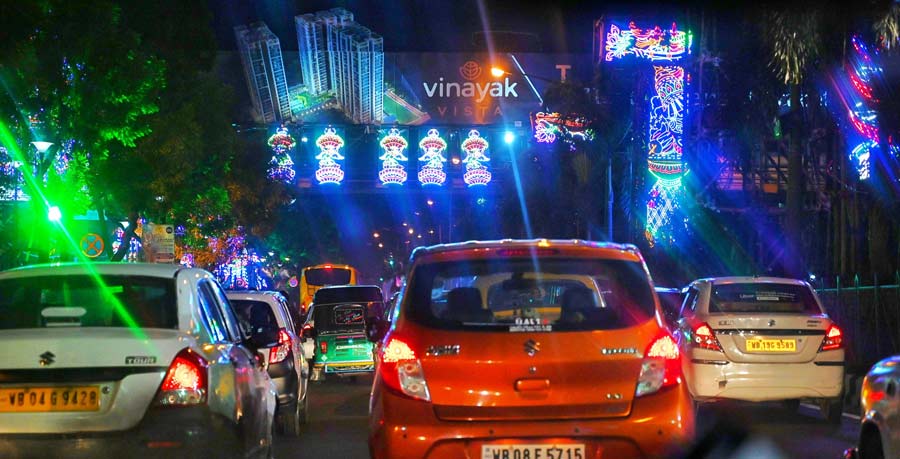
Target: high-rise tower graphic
340,56
263,66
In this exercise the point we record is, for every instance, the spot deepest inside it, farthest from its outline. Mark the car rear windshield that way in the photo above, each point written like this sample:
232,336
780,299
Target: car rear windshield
763,297
327,276
340,317
551,294
348,295
255,315
86,301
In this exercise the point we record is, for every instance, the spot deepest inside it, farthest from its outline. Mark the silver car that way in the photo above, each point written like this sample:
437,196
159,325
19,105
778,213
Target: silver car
128,360
268,311
879,437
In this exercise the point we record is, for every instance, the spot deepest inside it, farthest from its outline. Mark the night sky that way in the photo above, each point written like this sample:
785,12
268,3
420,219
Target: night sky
432,25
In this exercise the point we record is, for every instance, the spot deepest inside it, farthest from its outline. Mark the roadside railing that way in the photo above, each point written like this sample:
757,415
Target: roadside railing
869,317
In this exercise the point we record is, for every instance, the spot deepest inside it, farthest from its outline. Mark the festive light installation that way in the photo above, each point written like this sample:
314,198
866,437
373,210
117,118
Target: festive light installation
550,127
477,173
653,44
330,158
281,167
64,157
431,169
667,107
392,169
861,72
242,267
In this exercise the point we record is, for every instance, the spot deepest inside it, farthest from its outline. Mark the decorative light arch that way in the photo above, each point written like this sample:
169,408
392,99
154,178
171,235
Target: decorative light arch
330,158
431,163
476,160
664,48
393,170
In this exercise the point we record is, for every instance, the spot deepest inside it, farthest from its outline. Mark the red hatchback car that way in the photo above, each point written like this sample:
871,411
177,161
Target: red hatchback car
528,350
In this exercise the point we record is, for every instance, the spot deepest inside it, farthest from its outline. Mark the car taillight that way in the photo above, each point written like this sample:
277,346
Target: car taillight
323,346
834,339
705,338
402,371
306,329
661,367
278,353
185,382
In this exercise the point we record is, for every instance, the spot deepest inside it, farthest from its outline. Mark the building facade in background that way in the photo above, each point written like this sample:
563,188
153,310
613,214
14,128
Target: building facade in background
260,52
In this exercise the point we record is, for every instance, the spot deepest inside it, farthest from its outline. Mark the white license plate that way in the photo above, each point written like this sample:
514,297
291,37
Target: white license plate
545,451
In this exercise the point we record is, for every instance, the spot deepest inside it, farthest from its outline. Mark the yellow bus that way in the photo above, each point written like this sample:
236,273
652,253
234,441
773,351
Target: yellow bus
313,278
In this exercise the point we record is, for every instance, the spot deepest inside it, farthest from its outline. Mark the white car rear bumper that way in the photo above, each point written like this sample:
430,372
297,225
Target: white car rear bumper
764,381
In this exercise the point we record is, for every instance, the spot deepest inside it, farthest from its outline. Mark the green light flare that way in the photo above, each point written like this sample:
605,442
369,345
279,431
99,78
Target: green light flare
7,140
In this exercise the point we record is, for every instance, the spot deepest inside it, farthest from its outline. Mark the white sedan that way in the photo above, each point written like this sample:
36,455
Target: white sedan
127,360
761,338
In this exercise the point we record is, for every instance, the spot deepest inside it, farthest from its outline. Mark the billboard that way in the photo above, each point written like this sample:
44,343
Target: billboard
425,89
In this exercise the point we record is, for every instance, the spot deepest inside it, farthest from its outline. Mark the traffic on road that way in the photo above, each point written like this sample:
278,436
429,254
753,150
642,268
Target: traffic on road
492,349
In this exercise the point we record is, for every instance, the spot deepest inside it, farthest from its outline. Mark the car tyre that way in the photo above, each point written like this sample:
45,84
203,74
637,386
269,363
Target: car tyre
289,421
832,410
791,404
870,445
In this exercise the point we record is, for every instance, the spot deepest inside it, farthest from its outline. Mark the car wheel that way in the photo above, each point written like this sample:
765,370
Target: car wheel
870,445
290,420
792,404
832,410
304,409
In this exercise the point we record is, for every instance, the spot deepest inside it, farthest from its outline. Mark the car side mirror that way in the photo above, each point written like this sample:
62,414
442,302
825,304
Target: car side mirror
263,339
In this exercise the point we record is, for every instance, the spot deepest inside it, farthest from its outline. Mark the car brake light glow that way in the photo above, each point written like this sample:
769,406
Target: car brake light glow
402,371
834,339
278,353
661,367
323,346
705,338
185,382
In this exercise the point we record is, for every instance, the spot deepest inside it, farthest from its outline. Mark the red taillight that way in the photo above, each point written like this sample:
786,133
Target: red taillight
323,346
305,330
705,338
401,371
834,339
278,353
661,367
185,382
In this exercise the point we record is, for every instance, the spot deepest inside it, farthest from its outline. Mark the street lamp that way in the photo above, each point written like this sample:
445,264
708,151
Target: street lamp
54,214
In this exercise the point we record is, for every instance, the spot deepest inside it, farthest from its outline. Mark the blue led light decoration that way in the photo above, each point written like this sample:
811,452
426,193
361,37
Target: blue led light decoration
281,166
662,47
477,172
857,93
330,158
393,171
431,163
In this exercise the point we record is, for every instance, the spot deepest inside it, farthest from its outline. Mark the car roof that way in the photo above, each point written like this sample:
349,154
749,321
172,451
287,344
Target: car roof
103,268
565,246
752,280
334,287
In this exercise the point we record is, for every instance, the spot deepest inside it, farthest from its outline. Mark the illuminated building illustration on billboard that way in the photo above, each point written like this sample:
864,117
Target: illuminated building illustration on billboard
330,158
431,163
264,72
393,169
476,161
662,47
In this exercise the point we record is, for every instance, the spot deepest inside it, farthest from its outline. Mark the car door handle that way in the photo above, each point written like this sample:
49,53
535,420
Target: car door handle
532,384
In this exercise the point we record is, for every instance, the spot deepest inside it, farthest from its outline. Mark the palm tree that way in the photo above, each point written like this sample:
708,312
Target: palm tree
794,38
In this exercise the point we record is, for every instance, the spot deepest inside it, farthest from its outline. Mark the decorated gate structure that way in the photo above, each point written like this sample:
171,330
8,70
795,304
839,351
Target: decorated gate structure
665,50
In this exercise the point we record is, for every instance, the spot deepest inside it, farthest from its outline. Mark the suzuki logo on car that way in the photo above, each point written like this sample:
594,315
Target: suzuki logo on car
771,323
532,347
47,358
